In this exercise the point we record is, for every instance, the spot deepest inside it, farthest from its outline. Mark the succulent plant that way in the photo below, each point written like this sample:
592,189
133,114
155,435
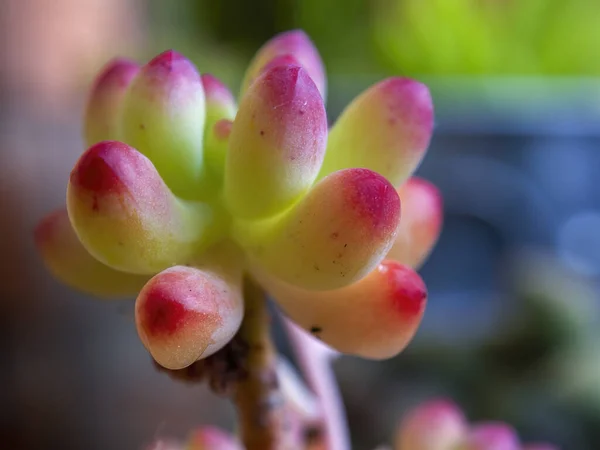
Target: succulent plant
199,207
184,193
438,424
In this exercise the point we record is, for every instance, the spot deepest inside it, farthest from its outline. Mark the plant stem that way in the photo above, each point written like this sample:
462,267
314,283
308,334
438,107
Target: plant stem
259,401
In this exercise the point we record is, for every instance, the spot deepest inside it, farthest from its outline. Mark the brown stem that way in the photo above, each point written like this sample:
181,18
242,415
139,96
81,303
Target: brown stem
263,418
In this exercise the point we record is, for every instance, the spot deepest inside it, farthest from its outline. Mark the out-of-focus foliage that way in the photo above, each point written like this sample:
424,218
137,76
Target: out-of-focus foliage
434,37
229,31
489,36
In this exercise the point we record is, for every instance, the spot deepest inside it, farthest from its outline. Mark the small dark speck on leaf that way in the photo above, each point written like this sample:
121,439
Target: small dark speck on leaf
315,329
262,132
142,126
316,267
345,245
313,434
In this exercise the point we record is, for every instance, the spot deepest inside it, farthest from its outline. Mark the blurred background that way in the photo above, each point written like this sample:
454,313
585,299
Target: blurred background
511,328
